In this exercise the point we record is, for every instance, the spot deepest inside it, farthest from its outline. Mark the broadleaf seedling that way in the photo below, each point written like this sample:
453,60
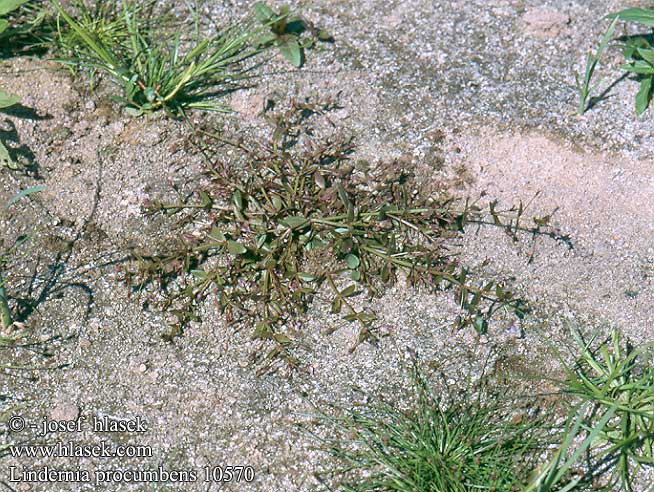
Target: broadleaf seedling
638,52
6,101
286,33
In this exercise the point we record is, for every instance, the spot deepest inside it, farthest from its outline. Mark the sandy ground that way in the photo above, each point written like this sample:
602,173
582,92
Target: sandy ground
604,201
480,91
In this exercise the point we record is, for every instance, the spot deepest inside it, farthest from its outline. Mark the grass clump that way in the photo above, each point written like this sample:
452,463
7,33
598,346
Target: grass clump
494,441
154,70
461,443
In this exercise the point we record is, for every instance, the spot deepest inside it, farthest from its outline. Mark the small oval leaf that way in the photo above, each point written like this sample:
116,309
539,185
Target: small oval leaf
295,221
217,235
238,200
352,261
236,248
290,49
349,291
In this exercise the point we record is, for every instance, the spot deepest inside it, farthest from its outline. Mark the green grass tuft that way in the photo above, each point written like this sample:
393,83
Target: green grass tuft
154,71
473,441
463,444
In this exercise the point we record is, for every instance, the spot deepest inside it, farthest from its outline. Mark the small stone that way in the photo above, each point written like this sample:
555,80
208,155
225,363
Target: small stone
392,21
142,368
248,104
342,114
544,23
64,411
117,127
90,105
84,343
513,331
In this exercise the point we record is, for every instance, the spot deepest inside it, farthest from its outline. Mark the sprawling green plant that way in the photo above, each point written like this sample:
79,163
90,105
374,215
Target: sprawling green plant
154,70
281,223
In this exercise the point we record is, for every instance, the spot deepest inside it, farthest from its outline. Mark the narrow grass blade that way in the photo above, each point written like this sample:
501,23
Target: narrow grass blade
112,63
639,15
7,6
23,194
554,472
5,313
591,65
7,100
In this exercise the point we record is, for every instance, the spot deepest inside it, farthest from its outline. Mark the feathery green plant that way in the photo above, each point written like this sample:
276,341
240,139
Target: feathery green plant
615,382
155,71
